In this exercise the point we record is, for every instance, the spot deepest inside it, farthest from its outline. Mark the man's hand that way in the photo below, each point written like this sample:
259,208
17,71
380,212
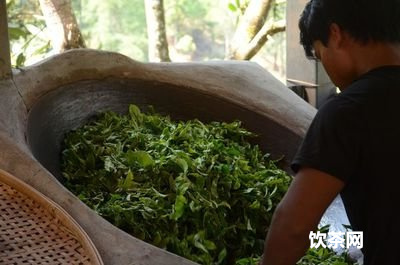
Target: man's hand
299,212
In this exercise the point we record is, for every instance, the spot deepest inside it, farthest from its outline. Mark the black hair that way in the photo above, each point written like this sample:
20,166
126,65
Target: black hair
364,20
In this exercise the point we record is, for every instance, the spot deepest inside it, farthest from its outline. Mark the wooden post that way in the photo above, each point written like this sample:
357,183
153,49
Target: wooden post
5,60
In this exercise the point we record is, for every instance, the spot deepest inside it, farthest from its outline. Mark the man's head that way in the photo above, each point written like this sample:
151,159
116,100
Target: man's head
363,20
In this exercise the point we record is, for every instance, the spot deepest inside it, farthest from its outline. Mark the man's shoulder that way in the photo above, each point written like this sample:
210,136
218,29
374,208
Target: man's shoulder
337,108
374,83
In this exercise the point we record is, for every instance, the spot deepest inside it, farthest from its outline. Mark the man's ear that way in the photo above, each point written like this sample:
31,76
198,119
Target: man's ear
336,36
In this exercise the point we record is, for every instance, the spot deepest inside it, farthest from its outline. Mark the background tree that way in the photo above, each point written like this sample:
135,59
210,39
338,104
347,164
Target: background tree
253,29
27,32
197,30
156,33
5,62
61,21
102,29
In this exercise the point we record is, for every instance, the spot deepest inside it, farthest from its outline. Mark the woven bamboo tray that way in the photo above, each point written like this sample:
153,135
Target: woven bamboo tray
35,230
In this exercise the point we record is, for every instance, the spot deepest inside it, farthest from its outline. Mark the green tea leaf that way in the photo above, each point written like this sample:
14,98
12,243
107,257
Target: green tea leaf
142,158
222,255
209,245
179,207
134,112
200,190
127,183
182,164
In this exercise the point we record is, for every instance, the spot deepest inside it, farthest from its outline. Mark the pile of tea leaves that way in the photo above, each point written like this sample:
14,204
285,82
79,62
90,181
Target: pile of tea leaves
199,190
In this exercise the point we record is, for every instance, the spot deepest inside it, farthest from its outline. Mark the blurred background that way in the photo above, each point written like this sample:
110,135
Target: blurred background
152,30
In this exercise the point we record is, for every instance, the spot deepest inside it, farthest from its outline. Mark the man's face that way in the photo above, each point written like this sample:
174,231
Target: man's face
332,63
336,59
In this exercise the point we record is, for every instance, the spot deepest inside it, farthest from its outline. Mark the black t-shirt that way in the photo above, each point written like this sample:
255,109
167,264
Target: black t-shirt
355,137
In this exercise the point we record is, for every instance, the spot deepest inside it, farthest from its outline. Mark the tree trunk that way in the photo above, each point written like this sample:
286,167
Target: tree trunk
157,37
62,23
253,31
5,60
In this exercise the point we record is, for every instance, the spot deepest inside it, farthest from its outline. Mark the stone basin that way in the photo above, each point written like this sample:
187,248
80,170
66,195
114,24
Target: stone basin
72,105
42,102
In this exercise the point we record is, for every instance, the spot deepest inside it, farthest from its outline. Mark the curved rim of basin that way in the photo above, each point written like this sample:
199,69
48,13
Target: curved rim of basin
242,83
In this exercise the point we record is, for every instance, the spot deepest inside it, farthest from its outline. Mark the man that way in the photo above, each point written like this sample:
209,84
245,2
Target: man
353,144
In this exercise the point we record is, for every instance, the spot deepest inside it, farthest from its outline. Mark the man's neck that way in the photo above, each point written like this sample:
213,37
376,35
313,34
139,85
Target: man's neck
375,54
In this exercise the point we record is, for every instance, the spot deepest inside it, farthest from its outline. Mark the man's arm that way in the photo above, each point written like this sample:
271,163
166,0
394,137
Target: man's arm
299,212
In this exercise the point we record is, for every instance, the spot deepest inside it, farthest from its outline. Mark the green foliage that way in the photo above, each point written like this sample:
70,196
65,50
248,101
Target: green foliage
197,30
114,25
191,9
26,32
238,7
198,190
325,256
279,10
196,21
